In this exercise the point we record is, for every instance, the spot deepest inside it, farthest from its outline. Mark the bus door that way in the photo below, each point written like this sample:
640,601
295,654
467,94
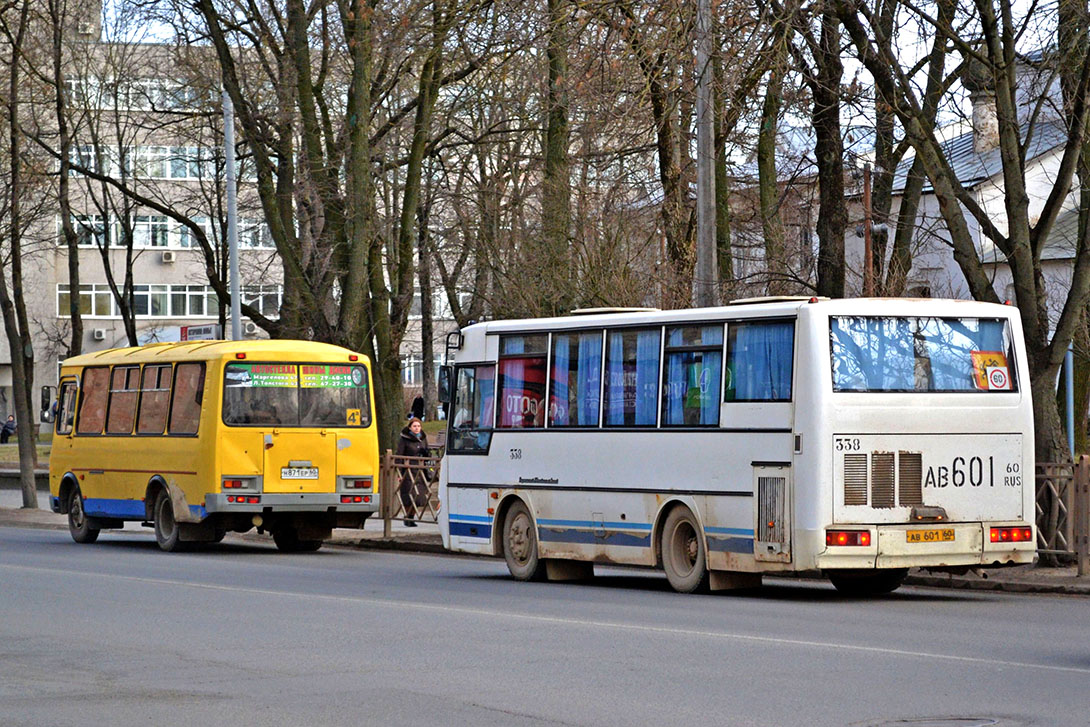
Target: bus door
67,395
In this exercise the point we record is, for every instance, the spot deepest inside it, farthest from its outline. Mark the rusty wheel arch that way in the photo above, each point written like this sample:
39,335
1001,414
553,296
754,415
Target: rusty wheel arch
660,520
501,515
151,492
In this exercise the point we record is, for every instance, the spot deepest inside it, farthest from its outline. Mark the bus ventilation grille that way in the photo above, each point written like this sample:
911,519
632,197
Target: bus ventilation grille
770,495
881,479
891,479
855,479
910,478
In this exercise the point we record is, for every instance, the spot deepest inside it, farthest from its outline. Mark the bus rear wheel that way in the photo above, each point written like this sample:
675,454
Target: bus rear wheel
683,556
78,524
520,545
167,532
287,540
868,582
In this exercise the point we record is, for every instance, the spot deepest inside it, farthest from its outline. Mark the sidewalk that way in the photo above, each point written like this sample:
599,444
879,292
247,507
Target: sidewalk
425,539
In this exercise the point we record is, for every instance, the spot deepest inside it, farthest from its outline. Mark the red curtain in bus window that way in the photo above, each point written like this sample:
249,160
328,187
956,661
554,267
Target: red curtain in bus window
522,392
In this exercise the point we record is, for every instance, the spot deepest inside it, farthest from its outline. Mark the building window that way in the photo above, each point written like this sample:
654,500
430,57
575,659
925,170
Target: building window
266,298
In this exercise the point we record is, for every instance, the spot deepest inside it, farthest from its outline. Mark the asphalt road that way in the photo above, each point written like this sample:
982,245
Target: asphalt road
119,633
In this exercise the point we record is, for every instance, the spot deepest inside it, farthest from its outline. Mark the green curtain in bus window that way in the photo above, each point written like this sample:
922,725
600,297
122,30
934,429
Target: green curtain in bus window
759,358
576,380
632,372
690,394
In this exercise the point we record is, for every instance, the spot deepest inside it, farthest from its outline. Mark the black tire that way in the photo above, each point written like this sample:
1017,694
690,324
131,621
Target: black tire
520,545
683,555
218,535
287,540
78,524
868,582
167,530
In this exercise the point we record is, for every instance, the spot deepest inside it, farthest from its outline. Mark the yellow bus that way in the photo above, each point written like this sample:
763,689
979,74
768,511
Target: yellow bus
200,438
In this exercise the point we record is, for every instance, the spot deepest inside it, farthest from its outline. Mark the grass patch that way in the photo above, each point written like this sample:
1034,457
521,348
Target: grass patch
9,455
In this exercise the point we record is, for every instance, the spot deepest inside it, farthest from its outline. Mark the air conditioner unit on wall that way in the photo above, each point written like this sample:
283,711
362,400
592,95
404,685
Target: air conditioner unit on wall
249,328
167,256
99,334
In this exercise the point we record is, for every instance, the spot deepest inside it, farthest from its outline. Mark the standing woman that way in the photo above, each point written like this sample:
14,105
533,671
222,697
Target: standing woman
412,443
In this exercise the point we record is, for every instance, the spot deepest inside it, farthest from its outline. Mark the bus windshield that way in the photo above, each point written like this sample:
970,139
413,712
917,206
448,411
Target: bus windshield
887,354
296,395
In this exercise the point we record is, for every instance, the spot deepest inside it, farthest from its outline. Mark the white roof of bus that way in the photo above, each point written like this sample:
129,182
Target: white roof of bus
758,308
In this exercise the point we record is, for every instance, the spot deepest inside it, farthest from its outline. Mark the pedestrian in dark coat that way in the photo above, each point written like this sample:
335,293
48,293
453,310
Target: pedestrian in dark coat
8,429
412,443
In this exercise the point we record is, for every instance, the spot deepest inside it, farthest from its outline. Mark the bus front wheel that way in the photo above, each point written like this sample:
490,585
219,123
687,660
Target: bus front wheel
78,524
167,532
868,582
683,556
520,545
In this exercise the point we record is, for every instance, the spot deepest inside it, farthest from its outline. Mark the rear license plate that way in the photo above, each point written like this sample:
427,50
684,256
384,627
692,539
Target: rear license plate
931,536
304,473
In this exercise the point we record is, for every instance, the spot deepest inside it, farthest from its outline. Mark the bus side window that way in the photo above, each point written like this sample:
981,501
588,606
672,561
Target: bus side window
694,364
185,406
66,407
124,390
154,400
96,391
522,382
759,359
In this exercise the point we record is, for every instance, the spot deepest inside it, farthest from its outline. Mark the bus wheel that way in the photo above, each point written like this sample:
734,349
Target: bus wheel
868,582
287,540
683,556
167,532
520,545
78,525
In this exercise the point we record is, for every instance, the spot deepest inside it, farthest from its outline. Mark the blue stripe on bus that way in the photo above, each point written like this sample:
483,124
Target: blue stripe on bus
469,518
599,537
593,524
730,531
730,545
471,530
126,509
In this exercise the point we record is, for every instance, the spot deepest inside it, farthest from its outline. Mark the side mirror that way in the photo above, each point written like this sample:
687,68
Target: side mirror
444,384
46,416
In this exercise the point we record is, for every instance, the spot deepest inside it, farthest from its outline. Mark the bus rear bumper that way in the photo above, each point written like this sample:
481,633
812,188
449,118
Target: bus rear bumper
291,502
929,546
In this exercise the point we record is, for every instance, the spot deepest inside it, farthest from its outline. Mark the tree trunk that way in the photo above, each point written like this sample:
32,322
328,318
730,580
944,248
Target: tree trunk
552,264
768,182
829,150
427,332
12,304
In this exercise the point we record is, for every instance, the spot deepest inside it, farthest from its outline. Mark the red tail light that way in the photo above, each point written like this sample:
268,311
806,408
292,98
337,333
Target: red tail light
847,537
1012,535
364,484
347,499
232,483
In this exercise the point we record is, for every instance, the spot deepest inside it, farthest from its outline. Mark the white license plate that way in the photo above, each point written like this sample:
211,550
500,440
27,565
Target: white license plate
298,473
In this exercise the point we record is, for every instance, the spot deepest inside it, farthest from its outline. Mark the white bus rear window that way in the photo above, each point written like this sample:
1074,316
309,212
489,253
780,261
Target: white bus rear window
921,354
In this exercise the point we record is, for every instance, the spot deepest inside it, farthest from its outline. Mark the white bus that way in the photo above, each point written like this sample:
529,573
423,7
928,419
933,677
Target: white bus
856,437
